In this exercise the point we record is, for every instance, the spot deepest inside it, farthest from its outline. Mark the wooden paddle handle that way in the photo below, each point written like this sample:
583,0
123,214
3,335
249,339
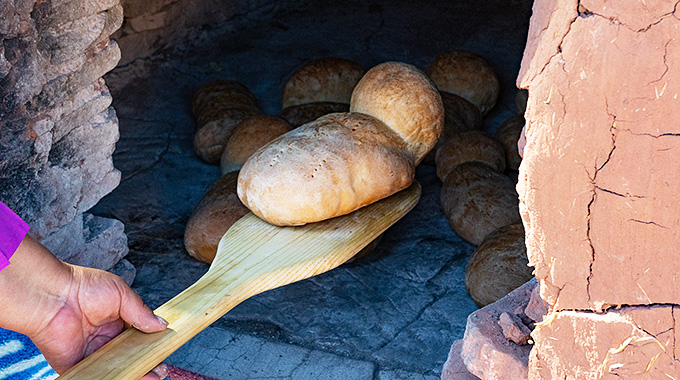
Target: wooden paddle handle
133,353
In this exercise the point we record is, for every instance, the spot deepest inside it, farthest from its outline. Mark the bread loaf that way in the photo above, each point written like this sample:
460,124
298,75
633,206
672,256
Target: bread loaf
498,266
478,200
468,75
215,213
249,136
326,168
218,107
402,97
304,113
344,161
459,116
469,146
328,79
508,134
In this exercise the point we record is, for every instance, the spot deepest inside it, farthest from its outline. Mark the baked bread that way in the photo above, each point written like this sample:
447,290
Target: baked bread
402,97
218,107
211,138
498,266
468,75
215,213
328,79
221,93
326,168
478,200
469,146
249,136
508,134
344,161
459,116
304,113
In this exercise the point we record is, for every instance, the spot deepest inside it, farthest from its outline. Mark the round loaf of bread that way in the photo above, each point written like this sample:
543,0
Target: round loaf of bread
403,98
304,113
498,266
508,134
328,79
326,168
469,146
221,94
215,213
478,200
468,75
249,136
211,138
459,116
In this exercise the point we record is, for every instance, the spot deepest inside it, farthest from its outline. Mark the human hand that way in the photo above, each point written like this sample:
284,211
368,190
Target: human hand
69,311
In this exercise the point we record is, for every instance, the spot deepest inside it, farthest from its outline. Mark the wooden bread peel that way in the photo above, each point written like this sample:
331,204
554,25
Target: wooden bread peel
252,257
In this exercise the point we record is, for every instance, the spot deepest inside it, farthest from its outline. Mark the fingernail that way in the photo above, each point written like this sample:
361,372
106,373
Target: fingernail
161,370
161,320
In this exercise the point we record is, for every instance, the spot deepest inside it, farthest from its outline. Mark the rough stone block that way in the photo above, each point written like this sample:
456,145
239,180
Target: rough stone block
454,368
636,342
486,351
581,186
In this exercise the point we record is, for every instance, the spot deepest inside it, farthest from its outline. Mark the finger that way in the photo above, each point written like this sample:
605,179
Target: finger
136,313
160,372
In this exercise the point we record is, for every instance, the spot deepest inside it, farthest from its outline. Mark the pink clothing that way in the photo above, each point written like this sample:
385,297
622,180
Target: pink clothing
12,231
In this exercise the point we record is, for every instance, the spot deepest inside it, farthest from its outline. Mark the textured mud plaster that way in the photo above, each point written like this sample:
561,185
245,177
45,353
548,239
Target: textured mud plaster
598,173
637,342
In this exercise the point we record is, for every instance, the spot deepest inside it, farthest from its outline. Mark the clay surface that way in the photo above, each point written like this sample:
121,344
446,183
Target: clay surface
581,186
637,342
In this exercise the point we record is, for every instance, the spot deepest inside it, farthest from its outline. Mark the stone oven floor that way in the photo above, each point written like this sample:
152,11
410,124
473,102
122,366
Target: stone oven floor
391,315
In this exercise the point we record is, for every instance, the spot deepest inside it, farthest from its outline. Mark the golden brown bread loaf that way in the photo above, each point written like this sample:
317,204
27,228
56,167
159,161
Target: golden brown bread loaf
249,136
406,100
326,168
459,116
508,134
469,146
304,113
478,200
328,79
215,213
211,138
498,266
468,75
218,107
344,161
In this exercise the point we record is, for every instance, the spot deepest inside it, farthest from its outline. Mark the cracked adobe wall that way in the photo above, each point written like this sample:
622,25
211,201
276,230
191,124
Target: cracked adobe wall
599,184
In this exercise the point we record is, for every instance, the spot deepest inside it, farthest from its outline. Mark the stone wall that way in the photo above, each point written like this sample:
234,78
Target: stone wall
152,26
598,186
57,129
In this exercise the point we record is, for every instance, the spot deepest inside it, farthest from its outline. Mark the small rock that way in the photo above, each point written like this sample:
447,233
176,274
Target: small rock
514,329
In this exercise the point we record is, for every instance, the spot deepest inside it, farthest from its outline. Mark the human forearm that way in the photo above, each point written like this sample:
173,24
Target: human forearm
32,288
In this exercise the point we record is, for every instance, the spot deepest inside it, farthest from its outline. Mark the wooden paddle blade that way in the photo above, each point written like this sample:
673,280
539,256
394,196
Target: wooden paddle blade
252,257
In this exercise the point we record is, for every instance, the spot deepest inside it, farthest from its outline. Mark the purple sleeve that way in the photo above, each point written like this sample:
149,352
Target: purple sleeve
12,231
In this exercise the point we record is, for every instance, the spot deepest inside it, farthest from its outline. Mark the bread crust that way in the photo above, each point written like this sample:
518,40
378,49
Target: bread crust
469,146
249,136
508,134
468,75
327,79
304,113
498,266
478,200
402,97
213,215
326,168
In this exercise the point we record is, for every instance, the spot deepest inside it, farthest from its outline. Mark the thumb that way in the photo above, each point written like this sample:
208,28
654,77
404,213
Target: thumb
136,313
